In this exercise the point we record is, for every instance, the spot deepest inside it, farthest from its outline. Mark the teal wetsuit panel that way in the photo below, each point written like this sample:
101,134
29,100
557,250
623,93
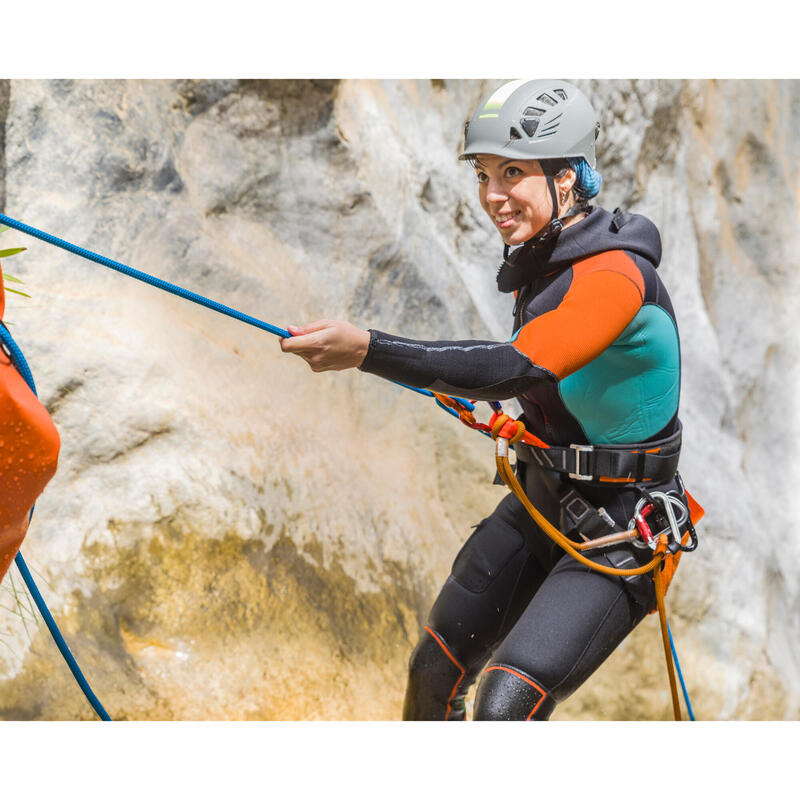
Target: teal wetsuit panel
631,390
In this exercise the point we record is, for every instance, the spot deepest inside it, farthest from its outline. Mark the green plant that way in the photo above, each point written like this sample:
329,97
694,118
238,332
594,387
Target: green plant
12,251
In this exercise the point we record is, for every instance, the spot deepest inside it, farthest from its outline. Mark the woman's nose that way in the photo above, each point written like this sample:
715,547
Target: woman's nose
495,192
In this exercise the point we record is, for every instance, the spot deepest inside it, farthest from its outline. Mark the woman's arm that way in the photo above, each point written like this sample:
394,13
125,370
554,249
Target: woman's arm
480,369
596,309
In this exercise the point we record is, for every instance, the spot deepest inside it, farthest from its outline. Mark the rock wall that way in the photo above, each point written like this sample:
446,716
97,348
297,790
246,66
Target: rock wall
5,89
230,536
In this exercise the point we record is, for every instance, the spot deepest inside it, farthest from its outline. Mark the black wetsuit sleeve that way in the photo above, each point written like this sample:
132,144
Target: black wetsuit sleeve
479,370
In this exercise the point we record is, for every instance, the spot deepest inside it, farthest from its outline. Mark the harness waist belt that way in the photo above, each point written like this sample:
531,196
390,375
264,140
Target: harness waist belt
649,462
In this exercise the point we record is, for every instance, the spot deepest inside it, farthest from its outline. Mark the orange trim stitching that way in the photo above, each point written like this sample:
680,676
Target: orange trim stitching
441,644
528,681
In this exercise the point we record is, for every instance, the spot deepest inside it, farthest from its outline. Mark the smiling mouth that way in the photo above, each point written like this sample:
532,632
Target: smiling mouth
505,220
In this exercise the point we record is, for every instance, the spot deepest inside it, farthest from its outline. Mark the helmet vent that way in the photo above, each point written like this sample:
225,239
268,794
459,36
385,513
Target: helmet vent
561,93
514,134
546,99
551,126
530,119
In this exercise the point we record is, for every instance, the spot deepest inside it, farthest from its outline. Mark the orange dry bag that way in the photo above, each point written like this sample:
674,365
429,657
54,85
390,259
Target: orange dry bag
29,446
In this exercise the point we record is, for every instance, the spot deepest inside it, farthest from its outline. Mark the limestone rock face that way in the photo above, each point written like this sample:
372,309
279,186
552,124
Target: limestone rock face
231,536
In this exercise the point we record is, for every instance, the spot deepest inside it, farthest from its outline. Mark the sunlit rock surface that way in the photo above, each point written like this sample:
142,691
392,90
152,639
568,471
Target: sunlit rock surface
230,536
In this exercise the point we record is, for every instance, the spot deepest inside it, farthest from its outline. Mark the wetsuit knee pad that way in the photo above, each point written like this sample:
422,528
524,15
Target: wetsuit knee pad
507,693
437,682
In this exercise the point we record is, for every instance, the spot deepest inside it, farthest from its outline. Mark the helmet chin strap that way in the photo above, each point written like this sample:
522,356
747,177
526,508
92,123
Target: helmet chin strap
556,223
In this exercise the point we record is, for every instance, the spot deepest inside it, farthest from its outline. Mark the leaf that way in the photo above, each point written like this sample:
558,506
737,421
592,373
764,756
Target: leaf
8,277
17,292
3,228
12,252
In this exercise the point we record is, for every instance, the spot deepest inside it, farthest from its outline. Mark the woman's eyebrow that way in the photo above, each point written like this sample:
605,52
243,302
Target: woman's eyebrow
479,165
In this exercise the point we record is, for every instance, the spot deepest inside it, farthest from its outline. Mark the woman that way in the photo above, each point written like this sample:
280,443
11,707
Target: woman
595,363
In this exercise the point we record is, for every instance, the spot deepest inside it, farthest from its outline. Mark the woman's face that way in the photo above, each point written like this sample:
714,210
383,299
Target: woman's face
514,194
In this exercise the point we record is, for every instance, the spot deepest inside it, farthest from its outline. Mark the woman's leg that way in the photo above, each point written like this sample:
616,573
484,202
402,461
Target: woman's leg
572,624
493,578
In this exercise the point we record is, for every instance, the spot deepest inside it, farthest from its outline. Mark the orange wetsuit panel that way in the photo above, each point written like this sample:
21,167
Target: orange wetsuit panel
29,445
605,294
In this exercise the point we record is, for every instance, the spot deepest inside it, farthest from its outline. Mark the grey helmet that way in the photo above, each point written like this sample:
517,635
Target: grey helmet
533,119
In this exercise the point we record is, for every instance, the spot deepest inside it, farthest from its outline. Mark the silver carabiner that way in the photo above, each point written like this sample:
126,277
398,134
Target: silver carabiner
668,502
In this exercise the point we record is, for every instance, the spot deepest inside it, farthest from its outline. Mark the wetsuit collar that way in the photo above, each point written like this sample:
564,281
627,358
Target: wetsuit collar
598,232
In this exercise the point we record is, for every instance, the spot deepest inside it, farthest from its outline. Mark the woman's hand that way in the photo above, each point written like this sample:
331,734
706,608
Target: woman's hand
328,344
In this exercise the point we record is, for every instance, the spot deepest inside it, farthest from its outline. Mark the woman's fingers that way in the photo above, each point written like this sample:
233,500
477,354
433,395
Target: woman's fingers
302,338
299,342
301,330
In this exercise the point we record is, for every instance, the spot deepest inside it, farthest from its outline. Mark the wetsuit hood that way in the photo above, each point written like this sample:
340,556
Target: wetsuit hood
599,232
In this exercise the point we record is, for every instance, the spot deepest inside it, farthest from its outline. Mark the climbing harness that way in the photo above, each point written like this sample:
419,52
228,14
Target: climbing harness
604,464
596,464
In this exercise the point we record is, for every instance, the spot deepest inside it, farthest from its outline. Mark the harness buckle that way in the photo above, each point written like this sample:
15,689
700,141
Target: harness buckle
581,448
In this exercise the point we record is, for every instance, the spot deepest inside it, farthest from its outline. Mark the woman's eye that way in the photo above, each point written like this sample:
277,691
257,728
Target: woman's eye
513,172
482,177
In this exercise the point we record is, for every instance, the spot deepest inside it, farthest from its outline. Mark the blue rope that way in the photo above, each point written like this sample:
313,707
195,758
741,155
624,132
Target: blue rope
172,288
59,639
460,400
680,675
16,356
24,370
144,277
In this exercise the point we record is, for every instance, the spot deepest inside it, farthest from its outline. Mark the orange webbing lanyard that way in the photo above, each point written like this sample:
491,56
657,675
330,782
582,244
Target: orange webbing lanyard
508,431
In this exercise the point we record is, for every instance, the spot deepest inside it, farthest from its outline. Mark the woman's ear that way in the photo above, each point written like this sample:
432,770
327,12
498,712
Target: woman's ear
564,180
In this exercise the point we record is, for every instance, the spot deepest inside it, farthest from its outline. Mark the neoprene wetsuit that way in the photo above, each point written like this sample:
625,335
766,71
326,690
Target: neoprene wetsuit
594,359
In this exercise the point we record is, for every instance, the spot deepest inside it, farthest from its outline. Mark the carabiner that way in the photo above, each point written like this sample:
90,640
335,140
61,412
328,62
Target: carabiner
662,506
